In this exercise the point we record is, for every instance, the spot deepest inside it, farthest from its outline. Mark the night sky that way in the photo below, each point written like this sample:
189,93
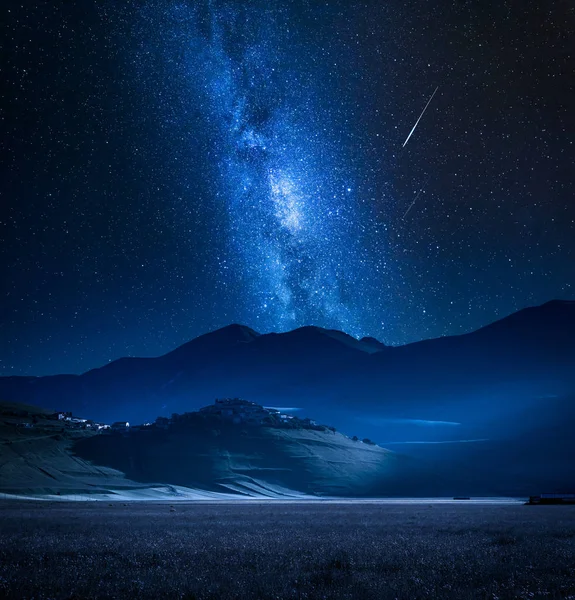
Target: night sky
169,168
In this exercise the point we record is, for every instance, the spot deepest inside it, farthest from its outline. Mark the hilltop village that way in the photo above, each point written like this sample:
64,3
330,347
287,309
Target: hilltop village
225,411
231,411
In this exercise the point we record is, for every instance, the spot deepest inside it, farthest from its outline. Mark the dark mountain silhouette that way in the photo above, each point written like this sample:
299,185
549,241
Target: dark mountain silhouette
511,381
314,367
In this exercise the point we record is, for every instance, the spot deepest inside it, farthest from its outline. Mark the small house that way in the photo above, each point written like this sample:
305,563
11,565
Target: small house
57,416
141,427
120,426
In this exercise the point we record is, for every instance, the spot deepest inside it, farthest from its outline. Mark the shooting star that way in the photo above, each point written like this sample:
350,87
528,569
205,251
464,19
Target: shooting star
414,201
421,115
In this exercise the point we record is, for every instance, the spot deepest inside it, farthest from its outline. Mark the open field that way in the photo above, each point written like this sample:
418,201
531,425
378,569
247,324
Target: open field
286,550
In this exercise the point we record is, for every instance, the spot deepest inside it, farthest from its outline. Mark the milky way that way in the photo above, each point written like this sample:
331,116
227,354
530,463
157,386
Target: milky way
293,241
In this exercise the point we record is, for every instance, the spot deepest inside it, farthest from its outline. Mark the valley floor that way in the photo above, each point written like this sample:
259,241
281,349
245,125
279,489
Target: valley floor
366,550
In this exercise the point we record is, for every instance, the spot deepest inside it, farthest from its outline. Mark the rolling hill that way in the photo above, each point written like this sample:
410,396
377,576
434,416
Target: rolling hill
40,457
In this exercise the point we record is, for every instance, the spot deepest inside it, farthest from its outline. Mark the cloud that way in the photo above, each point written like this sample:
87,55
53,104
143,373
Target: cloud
441,442
421,422
284,408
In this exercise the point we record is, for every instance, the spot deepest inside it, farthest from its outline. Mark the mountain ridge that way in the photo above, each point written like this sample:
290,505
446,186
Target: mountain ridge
315,368
248,332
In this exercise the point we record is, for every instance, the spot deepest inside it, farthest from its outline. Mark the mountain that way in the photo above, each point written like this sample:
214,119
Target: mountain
232,357
532,351
486,393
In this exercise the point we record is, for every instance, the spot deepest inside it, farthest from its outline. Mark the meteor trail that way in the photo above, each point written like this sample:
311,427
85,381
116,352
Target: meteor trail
421,115
414,201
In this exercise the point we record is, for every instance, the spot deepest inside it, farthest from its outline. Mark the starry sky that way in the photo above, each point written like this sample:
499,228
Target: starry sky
171,167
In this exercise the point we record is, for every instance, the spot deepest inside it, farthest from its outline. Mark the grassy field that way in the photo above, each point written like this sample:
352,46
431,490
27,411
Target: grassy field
267,550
